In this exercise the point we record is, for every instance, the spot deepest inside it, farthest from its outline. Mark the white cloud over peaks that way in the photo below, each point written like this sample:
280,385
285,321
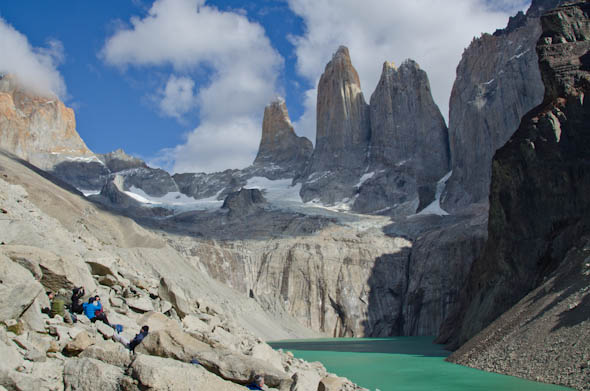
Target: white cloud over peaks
432,32
35,68
177,99
196,39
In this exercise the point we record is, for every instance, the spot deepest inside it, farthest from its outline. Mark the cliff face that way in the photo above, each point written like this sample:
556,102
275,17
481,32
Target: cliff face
498,81
280,148
406,124
38,129
342,117
539,204
408,149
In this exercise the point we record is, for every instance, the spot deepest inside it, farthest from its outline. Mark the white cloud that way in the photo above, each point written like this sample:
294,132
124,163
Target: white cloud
195,39
177,97
432,32
35,68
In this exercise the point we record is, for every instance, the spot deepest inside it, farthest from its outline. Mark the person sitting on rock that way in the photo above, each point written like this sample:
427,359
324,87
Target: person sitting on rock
76,306
93,310
57,306
135,341
257,383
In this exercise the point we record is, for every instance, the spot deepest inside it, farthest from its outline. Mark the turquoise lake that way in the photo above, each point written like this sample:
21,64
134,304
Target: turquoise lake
402,364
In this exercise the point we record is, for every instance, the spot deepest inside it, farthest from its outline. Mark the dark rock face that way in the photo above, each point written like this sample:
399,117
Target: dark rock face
282,153
342,117
498,81
153,181
82,175
119,161
406,124
244,202
539,204
409,147
202,185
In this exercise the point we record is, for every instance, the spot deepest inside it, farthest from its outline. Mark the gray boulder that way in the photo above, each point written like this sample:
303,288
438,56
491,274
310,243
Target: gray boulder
18,289
87,374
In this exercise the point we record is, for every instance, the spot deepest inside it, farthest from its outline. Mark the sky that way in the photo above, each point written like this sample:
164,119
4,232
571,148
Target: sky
183,84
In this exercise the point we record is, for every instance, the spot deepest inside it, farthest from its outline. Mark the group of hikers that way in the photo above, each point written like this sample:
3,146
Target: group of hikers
93,310
70,309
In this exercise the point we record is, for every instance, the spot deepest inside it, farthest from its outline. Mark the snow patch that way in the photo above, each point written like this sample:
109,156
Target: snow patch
434,208
365,178
519,55
174,200
277,190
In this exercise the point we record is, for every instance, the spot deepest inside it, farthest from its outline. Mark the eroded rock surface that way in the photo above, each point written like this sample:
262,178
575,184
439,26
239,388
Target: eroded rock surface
540,181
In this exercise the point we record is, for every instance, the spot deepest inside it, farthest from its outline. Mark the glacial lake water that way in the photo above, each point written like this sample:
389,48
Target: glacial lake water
402,364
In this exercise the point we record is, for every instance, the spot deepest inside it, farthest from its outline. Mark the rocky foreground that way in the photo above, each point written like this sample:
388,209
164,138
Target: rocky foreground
52,238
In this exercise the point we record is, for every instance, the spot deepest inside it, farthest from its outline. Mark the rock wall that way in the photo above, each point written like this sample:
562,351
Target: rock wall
540,182
498,81
281,150
342,131
37,129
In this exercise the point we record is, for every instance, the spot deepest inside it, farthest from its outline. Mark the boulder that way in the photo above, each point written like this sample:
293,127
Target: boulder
18,289
171,292
140,304
106,330
157,321
305,380
155,373
233,366
193,323
82,341
87,374
109,352
33,318
57,271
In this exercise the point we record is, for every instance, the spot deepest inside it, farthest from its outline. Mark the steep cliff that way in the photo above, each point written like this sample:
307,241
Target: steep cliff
539,204
342,134
342,117
408,137
281,152
498,81
38,129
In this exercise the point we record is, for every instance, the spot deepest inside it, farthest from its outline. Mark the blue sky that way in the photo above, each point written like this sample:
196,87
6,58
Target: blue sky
183,83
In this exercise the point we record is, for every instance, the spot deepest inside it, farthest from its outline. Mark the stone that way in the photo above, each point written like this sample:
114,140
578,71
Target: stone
171,292
193,323
109,352
82,341
281,152
155,373
18,289
32,317
106,331
305,380
58,271
230,365
157,321
86,374
140,304
11,359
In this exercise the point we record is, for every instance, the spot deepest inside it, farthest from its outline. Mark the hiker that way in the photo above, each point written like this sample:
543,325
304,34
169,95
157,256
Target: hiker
76,306
135,341
257,384
93,310
57,306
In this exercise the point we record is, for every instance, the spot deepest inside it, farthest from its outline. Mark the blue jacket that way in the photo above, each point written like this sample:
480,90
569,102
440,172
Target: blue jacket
137,340
90,308
253,387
